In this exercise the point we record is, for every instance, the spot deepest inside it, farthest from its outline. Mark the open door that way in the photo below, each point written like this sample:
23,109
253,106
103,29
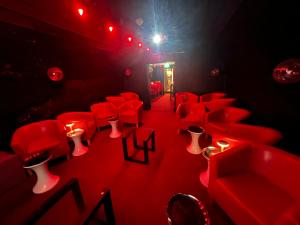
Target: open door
163,74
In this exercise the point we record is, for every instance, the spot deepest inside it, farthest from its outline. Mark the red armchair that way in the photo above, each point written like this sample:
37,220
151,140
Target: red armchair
102,112
185,97
258,134
155,88
256,185
211,96
46,135
117,101
188,114
129,96
218,104
84,120
131,112
228,115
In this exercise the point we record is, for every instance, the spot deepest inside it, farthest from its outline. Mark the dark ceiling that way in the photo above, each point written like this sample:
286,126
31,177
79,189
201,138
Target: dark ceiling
187,24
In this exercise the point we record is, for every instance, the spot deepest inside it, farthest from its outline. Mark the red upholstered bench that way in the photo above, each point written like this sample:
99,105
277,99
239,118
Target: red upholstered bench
256,184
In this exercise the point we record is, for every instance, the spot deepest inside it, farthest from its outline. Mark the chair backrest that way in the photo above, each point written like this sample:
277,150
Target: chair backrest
77,116
212,96
102,107
185,97
35,130
228,115
278,166
258,134
115,100
27,134
129,95
185,209
218,104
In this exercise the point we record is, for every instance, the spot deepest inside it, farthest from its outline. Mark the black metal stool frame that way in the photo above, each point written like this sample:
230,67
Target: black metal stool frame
136,146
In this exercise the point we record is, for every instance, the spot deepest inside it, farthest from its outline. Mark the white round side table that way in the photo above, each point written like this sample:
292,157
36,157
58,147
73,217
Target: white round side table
207,153
79,148
45,180
194,147
115,133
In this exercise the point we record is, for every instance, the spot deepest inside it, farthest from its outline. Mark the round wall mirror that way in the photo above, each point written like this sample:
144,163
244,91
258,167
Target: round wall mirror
287,72
55,74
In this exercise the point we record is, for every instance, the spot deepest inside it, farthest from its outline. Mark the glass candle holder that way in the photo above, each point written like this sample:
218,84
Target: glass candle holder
223,144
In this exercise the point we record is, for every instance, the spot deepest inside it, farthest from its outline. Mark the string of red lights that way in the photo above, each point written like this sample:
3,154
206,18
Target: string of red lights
81,11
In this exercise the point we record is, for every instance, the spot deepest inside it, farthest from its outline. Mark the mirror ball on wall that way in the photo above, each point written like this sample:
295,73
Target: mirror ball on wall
127,72
215,72
55,74
287,72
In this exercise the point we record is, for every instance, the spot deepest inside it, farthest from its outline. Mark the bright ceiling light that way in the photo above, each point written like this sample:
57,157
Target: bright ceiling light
157,38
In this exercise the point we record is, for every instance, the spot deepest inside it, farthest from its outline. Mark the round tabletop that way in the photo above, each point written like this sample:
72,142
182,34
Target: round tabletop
210,151
195,129
76,132
36,159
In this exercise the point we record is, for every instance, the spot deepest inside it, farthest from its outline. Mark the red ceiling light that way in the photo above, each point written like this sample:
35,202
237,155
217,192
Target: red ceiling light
140,44
80,11
148,49
129,39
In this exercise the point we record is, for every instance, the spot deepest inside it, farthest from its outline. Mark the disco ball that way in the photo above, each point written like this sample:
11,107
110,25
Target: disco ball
287,72
55,74
215,72
127,72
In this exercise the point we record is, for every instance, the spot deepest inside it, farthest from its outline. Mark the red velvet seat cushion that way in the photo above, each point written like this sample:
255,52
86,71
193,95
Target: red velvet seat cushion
254,194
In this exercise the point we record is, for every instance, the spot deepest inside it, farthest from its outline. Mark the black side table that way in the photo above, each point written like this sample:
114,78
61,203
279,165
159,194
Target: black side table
139,134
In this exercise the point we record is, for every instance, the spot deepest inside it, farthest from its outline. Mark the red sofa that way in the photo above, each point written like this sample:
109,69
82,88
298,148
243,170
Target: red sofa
238,131
256,185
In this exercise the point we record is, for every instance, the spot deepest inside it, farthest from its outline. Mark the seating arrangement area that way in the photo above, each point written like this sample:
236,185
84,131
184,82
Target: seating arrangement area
244,177
149,112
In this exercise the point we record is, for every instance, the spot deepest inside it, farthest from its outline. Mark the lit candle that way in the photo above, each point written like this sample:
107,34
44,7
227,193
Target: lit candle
70,126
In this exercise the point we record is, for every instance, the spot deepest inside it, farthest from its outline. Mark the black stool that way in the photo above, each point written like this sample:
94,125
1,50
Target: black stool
145,134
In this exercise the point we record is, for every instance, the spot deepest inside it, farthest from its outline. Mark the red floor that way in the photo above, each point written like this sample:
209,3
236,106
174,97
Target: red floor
140,193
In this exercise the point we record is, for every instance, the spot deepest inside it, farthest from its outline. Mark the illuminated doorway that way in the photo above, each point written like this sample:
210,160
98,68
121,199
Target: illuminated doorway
163,73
